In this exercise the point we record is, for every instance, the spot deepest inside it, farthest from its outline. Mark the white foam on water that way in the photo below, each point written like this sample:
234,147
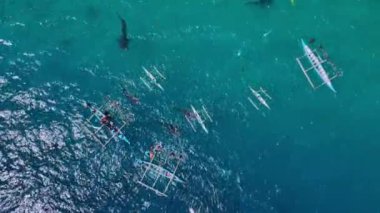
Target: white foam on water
6,42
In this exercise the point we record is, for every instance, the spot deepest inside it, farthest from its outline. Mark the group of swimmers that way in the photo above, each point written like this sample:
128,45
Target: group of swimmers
171,127
158,148
107,119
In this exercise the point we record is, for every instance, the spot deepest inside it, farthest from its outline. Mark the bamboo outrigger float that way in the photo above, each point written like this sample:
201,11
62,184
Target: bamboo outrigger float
152,80
159,173
194,116
261,96
114,132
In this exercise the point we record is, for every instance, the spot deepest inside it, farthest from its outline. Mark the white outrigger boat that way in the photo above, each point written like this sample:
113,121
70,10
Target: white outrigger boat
160,172
115,132
317,63
152,79
262,96
199,119
194,117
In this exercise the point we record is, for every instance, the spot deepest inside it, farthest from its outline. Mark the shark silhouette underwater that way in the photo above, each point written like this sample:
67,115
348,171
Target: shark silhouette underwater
123,38
262,3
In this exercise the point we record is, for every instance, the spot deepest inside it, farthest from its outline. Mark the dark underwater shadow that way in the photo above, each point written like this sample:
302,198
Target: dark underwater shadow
261,3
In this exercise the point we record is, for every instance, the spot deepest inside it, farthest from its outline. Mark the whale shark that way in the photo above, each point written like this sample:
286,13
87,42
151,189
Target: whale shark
123,39
263,3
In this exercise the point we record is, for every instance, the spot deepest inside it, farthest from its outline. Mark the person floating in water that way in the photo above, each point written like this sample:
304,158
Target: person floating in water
106,119
187,112
325,55
320,48
178,156
324,52
115,129
87,105
155,149
172,128
123,39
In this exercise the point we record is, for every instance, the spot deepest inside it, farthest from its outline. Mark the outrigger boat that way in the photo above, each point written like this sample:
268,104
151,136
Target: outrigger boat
152,79
199,117
258,94
317,65
159,173
98,115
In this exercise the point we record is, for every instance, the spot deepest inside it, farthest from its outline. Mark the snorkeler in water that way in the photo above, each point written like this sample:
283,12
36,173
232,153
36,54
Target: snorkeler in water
106,119
311,40
155,149
172,128
187,112
324,52
87,104
176,155
115,129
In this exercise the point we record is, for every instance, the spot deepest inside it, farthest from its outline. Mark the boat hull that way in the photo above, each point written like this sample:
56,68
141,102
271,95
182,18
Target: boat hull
317,65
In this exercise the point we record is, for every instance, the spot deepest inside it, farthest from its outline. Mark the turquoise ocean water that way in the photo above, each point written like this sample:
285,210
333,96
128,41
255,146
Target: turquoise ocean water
314,151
